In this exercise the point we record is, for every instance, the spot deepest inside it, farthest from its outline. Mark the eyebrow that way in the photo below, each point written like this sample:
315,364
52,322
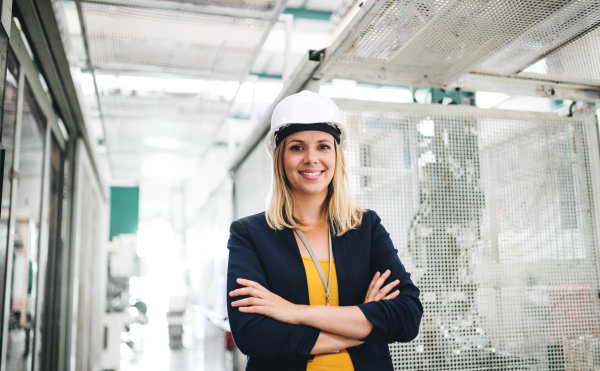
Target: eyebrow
301,141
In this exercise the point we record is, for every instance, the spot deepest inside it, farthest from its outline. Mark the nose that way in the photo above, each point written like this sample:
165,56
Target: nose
311,157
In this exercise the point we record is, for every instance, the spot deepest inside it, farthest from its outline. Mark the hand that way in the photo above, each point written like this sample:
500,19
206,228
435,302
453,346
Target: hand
376,293
263,301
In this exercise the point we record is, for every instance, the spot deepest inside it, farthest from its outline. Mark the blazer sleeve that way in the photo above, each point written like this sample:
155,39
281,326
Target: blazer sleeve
256,334
397,319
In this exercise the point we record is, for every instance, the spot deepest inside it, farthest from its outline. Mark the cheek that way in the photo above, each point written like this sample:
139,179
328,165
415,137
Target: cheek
329,162
290,164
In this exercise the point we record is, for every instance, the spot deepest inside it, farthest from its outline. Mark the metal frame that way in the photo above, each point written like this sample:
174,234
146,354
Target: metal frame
82,163
593,137
67,258
31,75
522,86
174,5
44,34
28,73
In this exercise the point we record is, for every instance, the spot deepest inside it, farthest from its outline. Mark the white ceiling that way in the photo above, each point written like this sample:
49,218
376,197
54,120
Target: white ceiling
165,86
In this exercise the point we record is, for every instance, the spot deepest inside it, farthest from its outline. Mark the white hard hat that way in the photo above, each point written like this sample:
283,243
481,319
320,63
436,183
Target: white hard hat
305,108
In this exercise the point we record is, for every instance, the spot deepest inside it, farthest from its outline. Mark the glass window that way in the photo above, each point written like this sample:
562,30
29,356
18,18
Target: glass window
27,228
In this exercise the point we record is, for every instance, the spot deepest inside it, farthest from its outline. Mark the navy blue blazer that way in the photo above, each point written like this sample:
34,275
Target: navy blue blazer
272,258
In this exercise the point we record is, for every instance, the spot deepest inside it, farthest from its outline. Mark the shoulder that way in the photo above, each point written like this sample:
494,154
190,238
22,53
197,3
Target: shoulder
253,220
369,219
252,224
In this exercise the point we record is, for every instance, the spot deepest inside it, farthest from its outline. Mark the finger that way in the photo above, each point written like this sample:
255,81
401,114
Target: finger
371,292
386,289
375,277
381,280
250,291
393,295
249,283
260,309
247,302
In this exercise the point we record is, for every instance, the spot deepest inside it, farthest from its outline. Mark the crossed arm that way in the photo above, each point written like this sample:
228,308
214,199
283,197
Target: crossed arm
341,327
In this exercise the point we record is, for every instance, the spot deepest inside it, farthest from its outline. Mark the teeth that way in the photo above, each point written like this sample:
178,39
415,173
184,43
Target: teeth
311,174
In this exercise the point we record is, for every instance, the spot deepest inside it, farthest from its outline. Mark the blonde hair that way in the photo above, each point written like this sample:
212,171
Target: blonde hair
337,208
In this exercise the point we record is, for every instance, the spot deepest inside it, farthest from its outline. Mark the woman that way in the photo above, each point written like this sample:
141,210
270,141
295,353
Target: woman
315,283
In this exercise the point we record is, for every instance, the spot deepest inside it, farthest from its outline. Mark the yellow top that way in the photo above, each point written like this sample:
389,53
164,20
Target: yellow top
316,293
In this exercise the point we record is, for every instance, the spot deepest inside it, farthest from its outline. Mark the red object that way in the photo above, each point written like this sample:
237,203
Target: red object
574,311
229,344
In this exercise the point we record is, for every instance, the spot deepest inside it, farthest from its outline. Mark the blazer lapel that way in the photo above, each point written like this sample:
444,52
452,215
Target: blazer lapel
342,267
297,278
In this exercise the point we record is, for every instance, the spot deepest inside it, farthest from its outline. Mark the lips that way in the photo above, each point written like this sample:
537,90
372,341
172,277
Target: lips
311,174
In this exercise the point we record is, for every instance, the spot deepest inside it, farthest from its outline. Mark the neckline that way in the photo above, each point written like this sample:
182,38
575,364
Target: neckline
320,260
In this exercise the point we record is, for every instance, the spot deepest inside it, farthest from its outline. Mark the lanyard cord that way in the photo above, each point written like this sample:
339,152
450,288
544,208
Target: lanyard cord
316,261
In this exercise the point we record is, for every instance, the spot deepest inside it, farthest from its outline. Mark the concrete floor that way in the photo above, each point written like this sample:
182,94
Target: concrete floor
203,349
151,351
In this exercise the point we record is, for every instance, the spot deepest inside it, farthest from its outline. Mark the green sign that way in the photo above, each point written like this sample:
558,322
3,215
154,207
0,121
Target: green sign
124,209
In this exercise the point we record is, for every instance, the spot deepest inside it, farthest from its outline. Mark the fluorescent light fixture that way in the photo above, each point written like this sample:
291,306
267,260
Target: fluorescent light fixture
163,143
144,85
485,99
538,67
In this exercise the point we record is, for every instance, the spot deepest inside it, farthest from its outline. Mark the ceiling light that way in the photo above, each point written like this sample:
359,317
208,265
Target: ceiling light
163,143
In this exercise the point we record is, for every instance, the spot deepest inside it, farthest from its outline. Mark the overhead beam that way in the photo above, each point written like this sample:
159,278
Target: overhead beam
519,86
183,7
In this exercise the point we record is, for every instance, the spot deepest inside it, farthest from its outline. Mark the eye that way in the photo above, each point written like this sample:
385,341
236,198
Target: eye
324,146
296,148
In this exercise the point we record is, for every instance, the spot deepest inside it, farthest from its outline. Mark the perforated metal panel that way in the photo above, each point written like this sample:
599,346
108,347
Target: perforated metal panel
577,62
492,213
433,43
560,27
152,40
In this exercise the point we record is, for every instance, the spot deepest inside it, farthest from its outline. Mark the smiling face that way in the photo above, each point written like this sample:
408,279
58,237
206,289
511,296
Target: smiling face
309,162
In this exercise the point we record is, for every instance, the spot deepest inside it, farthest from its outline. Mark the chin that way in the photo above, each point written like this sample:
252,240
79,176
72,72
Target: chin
312,190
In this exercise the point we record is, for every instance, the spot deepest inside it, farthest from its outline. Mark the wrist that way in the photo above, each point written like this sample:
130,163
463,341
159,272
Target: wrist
301,314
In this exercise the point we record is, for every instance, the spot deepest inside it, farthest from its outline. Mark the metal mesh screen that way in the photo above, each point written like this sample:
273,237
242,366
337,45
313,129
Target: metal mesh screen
136,39
492,213
432,43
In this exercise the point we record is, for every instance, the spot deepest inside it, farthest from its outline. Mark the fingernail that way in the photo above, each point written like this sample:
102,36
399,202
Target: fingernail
397,281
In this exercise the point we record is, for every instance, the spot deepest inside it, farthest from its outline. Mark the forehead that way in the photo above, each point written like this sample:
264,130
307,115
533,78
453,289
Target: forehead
310,136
